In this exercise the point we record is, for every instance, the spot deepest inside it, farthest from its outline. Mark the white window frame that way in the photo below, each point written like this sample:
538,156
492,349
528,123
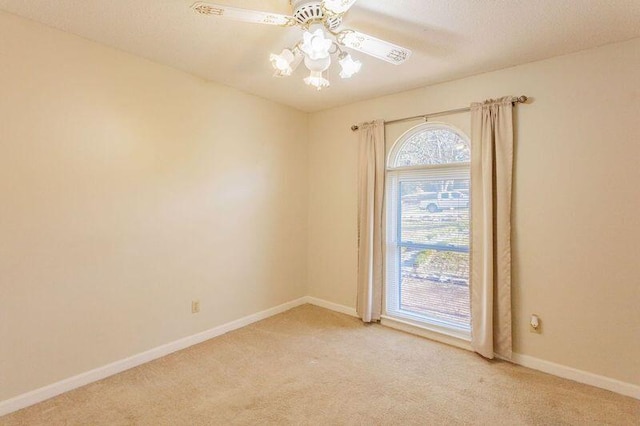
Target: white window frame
394,176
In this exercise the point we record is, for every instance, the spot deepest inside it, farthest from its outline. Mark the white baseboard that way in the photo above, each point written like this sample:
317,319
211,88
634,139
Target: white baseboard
46,392
559,370
580,376
331,306
49,391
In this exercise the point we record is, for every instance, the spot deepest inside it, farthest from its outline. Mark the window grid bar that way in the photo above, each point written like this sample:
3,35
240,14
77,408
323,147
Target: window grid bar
439,247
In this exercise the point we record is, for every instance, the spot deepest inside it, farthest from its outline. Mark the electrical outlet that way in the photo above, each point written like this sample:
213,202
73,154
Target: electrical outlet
195,306
535,324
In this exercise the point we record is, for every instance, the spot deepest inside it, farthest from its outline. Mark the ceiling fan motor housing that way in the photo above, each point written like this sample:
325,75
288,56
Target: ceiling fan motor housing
307,12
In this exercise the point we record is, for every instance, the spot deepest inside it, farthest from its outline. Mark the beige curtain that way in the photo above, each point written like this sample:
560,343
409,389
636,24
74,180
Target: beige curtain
491,177
371,169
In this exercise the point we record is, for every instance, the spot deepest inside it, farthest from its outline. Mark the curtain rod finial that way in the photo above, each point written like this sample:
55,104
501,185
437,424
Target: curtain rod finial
523,99
354,128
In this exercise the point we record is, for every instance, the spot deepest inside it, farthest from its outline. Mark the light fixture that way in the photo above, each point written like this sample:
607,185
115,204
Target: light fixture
322,37
320,65
316,49
317,67
282,63
349,65
315,45
317,80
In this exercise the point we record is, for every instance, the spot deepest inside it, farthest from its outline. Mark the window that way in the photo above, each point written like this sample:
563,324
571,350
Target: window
427,256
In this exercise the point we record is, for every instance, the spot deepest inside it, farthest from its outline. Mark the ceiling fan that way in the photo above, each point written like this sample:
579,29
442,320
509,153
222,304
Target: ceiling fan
320,20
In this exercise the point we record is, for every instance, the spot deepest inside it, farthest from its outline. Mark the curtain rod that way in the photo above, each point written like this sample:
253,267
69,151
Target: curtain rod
517,100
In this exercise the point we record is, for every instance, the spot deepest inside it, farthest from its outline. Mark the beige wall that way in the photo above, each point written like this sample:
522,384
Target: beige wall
576,202
127,190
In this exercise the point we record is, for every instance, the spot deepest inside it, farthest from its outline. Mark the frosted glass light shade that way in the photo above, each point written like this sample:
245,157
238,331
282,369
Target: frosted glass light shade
349,65
315,45
282,62
317,80
318,65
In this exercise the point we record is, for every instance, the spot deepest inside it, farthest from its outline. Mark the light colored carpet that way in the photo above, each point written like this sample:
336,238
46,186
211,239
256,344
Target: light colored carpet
310,366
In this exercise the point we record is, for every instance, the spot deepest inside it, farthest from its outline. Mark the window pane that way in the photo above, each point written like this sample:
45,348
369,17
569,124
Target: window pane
433,146
435,284
431,215
434,250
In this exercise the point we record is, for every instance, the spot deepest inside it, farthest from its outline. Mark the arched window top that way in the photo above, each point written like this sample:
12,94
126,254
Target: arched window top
430,144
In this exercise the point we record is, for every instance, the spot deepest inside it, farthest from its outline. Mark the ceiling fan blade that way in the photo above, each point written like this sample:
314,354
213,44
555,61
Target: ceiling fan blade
373,46
338,7
243,15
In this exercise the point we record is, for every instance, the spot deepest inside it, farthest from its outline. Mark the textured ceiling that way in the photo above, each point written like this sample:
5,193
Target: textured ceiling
449,38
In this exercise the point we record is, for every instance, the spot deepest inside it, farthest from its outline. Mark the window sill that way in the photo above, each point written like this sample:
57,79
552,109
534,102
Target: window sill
449,337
